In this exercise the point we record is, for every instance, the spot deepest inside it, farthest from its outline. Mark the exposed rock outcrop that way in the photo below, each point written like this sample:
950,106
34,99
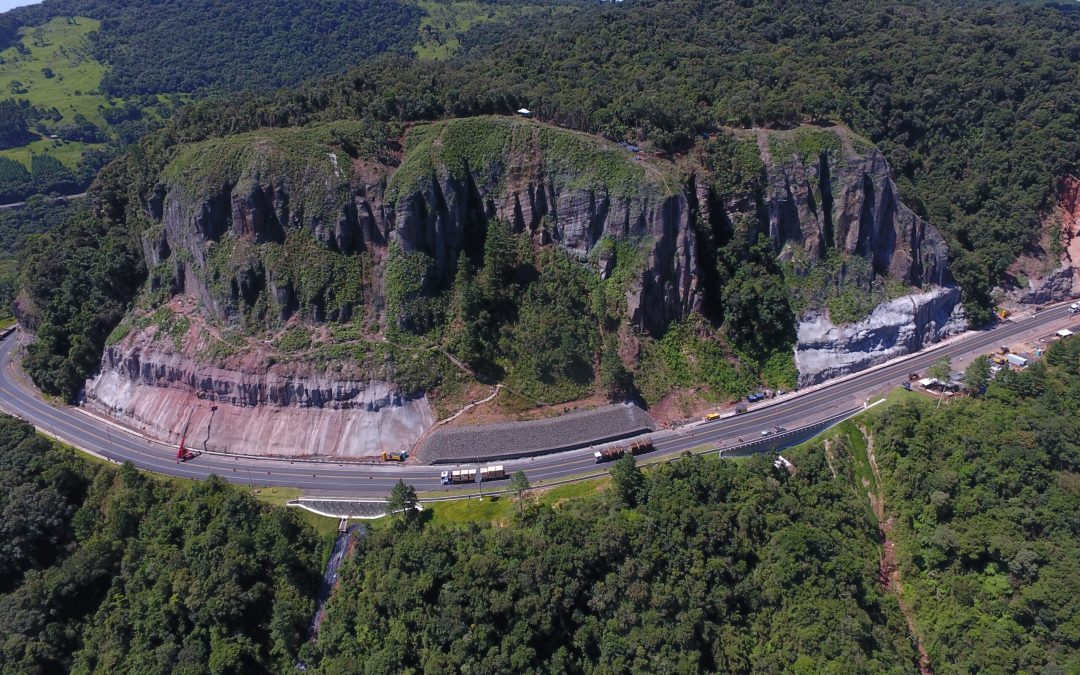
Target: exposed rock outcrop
1062,281
437,220
279,410
895,328
843,199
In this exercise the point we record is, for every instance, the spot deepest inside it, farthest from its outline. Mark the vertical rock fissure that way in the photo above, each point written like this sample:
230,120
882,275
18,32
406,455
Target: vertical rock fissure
828,238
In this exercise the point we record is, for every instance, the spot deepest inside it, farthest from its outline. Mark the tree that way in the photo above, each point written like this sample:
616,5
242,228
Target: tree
941,370
615,377
628,479
519,483
757,312
402,500
977,374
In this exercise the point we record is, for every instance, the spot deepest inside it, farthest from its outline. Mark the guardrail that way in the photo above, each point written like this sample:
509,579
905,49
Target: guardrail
769,443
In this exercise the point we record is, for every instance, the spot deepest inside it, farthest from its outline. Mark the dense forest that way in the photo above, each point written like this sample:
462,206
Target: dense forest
105,570
986,499
76,282
13,129
201,47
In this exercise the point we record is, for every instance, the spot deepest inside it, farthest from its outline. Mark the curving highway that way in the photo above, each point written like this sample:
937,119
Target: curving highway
375,480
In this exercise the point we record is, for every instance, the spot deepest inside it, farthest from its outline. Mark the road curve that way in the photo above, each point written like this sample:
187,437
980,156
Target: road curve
367,480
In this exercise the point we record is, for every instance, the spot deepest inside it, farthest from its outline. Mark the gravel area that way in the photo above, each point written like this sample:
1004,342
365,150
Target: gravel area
509,440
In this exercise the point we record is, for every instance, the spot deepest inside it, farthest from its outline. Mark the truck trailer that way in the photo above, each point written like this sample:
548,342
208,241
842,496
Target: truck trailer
611,454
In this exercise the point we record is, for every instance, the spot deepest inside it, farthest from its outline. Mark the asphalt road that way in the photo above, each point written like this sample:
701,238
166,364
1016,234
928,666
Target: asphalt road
368,480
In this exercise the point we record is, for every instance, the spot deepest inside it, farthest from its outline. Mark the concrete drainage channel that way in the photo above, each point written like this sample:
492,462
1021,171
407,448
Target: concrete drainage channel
370,509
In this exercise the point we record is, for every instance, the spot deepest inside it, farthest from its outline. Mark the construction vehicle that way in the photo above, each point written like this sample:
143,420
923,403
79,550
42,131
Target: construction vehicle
611,454
712,416
395,456
492,473
458,476
182,453
1002,313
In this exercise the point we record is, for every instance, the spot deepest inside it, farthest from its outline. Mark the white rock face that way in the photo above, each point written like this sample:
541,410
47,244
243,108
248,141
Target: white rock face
894,328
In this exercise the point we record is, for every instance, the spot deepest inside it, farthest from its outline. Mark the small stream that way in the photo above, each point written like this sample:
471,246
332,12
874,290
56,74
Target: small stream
330,577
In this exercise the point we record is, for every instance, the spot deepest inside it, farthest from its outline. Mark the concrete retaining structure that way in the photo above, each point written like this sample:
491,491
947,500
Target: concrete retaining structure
516,440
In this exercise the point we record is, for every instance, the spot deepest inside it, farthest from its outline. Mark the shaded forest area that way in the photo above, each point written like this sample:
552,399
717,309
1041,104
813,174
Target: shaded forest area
986,501
105,570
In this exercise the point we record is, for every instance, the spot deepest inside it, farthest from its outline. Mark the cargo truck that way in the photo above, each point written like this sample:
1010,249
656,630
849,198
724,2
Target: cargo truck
458,476
611,454
396,456
492,472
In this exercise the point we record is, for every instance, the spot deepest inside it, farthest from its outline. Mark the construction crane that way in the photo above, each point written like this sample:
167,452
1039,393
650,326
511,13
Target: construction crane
182,453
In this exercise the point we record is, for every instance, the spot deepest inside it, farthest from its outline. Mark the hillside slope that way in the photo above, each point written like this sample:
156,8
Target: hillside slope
293,271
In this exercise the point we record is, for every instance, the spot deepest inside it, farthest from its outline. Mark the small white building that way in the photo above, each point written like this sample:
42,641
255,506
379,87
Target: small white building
1064,333
1016,360
525,112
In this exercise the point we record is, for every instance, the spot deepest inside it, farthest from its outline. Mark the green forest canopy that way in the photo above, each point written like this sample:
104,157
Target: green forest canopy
105,570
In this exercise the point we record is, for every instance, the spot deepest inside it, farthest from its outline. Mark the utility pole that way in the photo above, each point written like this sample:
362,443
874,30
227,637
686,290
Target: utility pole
480,476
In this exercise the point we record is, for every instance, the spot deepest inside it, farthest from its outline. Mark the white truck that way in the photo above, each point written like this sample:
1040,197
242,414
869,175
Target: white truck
485,474
458,476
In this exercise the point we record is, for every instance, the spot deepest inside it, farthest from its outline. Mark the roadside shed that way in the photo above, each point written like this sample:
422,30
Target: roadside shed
1016,360
1064,333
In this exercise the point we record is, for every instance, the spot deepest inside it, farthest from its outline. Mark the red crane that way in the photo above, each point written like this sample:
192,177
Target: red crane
182,453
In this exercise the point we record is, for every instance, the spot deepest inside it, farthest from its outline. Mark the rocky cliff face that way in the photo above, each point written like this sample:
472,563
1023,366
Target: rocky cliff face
221,218
251,406
895,328
438,218
1050,277
294,226
823,193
